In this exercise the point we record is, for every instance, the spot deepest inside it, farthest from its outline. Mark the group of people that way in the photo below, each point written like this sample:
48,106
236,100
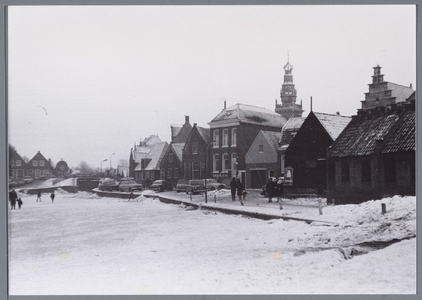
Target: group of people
237,186
274,188
13,198
52,196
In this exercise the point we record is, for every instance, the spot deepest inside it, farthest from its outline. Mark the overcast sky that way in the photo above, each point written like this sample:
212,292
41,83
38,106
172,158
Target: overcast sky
86,82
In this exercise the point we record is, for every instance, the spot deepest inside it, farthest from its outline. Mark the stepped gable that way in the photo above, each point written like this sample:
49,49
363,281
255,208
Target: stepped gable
250,114
290,129
273,138
333,124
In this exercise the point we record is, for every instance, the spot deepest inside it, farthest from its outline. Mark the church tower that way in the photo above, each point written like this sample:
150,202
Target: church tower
288,107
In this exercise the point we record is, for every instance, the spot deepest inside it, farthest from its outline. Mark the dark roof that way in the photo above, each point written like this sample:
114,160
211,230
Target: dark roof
402,136
250,114
395,132
182,134
205,134
290,129
14,155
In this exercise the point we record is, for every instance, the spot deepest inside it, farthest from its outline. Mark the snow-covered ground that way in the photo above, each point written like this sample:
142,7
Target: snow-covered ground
85,244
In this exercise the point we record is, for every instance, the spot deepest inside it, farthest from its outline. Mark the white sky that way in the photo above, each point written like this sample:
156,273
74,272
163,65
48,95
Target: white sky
108,76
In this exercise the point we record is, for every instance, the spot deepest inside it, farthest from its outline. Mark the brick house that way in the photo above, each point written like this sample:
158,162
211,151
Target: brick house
305,157
196,154
138,152
61,169
262,159
149,167
39,166
233,131
171,165
375,155
17,165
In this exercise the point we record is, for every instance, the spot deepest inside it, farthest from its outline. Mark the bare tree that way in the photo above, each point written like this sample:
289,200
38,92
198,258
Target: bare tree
83,167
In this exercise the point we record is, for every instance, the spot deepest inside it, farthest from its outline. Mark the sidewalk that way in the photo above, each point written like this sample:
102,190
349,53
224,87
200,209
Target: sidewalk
255,205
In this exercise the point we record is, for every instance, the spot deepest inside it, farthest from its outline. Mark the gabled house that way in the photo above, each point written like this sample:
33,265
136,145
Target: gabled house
17,165
171,165
262,159
62,169
305,157
233,131
374,156
288,132
149,167
138,152
196,154
39,166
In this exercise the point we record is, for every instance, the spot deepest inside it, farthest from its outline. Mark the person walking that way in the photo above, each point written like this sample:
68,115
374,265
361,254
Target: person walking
13,197
52,196
233,186
20,203
269,188
280,190
39,196
239,187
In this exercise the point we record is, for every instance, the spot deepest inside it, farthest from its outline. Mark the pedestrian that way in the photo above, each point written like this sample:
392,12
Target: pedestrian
20,203
269,190
131,195
39,196
239,187
280,190
13,196
52,196
233,186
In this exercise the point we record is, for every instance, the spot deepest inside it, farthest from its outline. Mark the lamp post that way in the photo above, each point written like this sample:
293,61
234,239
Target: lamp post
110,163
101,165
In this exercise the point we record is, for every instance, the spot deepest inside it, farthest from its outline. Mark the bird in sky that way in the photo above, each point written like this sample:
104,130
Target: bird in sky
44,109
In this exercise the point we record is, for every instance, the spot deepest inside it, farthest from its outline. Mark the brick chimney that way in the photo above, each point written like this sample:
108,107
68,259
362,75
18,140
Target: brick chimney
186,119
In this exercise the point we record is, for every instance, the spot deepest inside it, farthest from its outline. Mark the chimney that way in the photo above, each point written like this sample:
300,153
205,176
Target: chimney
224,104
411,86
194,124
186,119
338,113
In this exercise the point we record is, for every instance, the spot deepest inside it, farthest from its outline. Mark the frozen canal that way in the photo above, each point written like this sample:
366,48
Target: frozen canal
82,244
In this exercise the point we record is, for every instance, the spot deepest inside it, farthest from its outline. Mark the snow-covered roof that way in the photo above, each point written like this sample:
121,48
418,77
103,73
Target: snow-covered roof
333,124
154,156
250,114
290,129
399,91
178,149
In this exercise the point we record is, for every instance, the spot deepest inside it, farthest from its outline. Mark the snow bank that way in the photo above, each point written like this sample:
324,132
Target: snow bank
222,192
79,195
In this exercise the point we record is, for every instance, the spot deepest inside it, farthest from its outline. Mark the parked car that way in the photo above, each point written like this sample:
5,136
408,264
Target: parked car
129,184
161,186
108,184
181,185
27,179
212,184
195,186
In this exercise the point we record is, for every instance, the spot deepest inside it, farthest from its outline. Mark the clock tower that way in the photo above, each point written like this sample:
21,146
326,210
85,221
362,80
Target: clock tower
288,107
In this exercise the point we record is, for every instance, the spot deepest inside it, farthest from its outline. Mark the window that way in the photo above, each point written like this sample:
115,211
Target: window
44,172
216,138
390,170
366,171
176,173
18,163
234,136
234,163
29,172
226,165
345,171
19,173
261,148
163,174
169,173
170,157
41,163
225,138
202,175
195,148
215,161
37,173
12,163
195,170
10,173
35,163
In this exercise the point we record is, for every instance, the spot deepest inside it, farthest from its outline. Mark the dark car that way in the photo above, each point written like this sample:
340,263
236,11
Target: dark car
181,185
129,184
195,186
161,186
108,184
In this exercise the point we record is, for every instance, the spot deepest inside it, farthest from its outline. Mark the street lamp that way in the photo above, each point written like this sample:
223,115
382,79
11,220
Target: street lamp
110,162
101,165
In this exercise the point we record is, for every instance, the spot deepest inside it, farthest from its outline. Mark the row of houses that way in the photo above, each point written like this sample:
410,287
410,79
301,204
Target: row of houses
348,159
36,167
